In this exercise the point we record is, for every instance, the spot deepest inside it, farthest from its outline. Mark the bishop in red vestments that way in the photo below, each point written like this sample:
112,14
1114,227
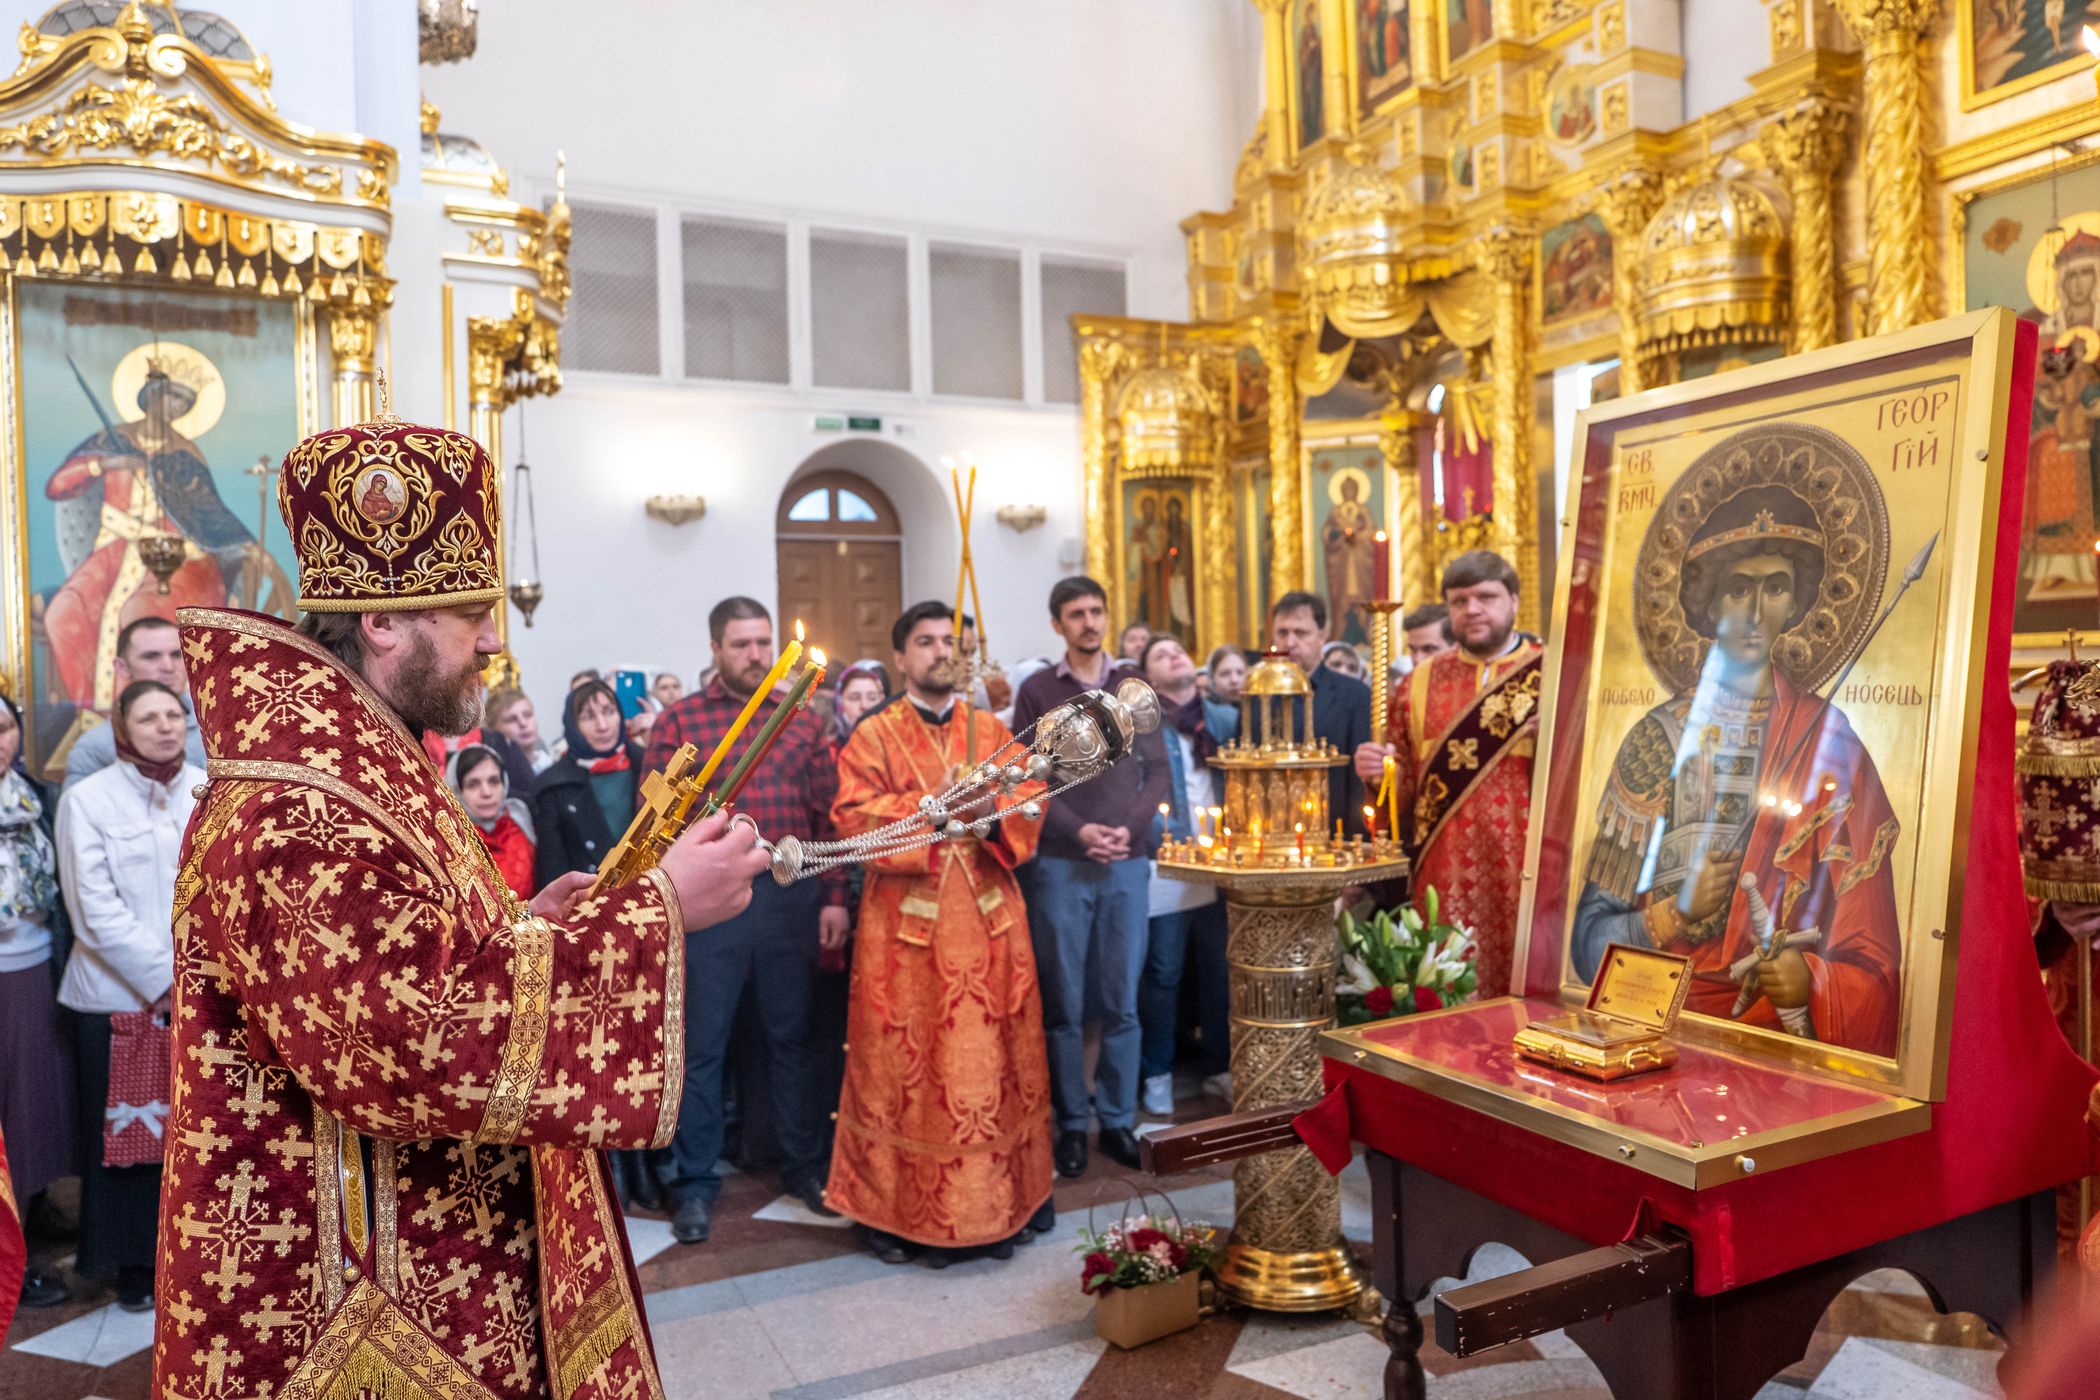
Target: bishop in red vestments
393,1081
1464,730
944,1125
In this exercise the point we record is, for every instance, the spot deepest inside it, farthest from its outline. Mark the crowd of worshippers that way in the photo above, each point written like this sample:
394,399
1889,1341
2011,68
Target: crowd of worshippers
1115,975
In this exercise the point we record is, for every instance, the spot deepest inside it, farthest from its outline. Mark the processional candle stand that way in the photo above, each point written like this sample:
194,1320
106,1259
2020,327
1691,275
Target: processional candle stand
1278,854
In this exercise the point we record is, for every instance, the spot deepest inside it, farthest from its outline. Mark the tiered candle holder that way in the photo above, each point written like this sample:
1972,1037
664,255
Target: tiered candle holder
1279,855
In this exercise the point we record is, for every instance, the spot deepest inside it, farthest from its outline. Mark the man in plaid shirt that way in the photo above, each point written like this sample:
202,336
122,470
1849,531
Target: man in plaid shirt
772,946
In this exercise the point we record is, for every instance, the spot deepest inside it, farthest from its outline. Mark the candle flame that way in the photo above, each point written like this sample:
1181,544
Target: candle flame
798,629
1379,536
816,657
2087,37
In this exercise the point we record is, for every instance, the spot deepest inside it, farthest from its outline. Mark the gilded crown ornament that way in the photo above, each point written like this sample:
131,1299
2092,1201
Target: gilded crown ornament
1713,268
1351,245
1167,421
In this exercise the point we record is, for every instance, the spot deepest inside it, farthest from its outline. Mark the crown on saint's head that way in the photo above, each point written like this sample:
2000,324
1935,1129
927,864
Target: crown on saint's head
2079,247
178,368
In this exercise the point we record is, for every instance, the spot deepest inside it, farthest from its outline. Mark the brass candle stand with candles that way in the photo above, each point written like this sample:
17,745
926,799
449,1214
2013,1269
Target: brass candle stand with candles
1277,851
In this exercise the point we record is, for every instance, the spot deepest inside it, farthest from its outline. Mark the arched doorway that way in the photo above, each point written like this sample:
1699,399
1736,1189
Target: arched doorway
840,554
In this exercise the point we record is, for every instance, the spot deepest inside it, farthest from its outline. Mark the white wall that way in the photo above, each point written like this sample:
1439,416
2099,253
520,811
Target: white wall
1098,124
1098,121
1725,41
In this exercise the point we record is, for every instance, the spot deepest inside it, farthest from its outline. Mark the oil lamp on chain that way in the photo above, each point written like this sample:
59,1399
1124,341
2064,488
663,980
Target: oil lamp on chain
527,591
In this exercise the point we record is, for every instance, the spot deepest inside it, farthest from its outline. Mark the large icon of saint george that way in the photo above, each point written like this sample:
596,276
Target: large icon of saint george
1744,823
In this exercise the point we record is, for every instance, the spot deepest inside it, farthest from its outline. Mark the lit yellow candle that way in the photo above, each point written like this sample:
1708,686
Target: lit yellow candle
765,687
1391,791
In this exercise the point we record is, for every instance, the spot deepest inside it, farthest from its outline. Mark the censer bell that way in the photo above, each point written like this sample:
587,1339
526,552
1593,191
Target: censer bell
162,555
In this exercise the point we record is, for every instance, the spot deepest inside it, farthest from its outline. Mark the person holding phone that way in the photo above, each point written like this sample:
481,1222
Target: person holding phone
119,837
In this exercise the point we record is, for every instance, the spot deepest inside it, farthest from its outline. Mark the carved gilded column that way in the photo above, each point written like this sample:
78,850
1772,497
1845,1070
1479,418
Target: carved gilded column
1805,146
1279,353
1396,443
1276,81
1503,255
353,338
1899,247
1100,361
1220,611
492,343
1626,205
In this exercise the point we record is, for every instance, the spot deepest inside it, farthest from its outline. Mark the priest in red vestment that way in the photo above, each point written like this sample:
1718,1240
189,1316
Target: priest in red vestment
943,1137
393,1080
1464,728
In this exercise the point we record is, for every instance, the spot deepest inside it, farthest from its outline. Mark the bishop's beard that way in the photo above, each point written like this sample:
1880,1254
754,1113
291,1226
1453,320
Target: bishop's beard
428,699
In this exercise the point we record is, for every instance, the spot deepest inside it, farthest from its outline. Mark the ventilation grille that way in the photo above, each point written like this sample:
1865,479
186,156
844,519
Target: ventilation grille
976,321
736,301
1073,288
860,311
612,325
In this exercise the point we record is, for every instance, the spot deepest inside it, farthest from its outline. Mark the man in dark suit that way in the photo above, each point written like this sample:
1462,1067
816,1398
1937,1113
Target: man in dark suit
1341,704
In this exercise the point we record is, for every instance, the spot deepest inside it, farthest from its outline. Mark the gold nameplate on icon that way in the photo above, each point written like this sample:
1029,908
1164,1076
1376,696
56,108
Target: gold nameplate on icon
1633,1004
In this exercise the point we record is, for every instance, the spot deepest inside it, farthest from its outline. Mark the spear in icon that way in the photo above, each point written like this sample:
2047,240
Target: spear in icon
1912,572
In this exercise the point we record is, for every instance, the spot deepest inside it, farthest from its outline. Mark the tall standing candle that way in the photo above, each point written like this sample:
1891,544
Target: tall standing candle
1381,566
1391,790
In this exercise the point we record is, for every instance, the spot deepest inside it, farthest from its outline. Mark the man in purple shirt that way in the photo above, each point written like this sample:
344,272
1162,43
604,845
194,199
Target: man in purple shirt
1087,895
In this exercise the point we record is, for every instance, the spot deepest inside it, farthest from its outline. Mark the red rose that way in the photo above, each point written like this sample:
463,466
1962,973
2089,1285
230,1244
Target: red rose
1379,1001
1097,1266
1427,1000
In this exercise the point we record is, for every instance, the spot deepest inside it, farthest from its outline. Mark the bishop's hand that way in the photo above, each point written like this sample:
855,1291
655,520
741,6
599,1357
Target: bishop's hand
712,867
559,900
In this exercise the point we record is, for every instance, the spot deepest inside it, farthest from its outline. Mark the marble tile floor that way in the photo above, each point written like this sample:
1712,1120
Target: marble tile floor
785,1305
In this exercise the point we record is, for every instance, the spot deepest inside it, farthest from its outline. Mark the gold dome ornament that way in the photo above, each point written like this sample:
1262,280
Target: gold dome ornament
1713,269
1352,262
1168,423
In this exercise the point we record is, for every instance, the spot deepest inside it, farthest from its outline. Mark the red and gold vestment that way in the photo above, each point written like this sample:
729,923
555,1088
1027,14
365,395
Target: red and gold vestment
392,1083
1465,791
944,1122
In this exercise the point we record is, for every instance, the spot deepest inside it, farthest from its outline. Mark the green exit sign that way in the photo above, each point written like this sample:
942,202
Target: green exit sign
845,423
863,424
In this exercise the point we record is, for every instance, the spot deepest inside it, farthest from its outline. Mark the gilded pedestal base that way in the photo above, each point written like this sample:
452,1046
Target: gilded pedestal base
1286,1253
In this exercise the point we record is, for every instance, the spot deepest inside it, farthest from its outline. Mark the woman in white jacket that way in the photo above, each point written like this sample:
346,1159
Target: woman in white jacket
119,837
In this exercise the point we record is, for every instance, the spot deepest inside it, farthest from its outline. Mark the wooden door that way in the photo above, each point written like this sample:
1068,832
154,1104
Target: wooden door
841,565
847,593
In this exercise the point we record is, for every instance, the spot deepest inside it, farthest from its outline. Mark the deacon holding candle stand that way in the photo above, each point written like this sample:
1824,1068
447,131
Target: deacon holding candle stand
785,780
389,1071
1450,773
